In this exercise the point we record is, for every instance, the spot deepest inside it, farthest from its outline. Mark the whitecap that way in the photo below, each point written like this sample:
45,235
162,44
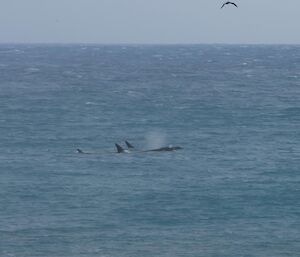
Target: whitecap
90,103
32,69
293,76
159,56
181,107
134,93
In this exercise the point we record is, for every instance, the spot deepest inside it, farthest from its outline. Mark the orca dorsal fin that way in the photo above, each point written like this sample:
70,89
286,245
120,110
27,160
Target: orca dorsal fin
119,148
130,146
79,150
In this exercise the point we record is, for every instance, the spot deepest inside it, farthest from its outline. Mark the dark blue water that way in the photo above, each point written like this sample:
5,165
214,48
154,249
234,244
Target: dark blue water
233,190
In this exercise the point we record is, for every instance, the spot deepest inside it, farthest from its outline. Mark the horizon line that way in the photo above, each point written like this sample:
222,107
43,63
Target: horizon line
137,44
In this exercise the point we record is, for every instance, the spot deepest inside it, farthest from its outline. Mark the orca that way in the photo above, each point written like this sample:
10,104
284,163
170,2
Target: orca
165,149
120,149
161,149
81,152
129,146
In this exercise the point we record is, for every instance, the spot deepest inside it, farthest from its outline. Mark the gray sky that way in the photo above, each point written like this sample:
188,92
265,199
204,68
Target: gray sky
149,21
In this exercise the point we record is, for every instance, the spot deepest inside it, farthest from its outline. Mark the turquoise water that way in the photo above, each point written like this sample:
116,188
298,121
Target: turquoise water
232,191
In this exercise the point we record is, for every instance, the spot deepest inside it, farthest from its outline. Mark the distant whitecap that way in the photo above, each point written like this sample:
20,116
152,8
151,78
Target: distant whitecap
91,103
32,70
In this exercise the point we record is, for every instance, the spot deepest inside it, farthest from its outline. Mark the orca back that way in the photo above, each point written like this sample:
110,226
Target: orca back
130,146
119,148
79,150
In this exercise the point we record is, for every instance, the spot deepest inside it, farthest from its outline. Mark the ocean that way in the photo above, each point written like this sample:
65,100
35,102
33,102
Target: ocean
233,190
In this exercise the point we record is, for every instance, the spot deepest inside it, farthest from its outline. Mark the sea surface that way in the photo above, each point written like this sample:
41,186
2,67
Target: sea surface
234,190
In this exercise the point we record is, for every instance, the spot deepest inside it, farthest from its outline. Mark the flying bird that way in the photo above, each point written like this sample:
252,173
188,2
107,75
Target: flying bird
229,3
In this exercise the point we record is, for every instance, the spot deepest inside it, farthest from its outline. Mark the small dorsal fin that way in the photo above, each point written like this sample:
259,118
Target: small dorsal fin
119,148
130,146
79,150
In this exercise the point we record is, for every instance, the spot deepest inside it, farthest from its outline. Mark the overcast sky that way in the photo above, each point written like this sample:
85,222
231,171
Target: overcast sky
149,21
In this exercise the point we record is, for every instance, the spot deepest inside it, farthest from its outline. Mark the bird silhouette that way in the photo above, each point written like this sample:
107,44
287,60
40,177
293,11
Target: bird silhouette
229,3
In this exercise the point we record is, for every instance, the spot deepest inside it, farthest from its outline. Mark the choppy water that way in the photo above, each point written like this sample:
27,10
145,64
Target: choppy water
233,191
